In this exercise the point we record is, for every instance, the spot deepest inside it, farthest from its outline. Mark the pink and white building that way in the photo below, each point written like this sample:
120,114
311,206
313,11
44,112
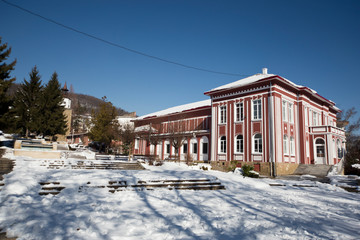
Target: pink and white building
264,120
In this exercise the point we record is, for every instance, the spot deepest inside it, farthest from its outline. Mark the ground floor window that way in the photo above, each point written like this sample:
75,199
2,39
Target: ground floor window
223,144
168,148
239,144
257,143
185,148
205,148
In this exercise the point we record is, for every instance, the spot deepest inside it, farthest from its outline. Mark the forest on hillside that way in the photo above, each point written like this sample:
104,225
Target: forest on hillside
81,103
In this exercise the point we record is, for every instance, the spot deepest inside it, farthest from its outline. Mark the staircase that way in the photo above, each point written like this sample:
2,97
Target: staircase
99,165
318,170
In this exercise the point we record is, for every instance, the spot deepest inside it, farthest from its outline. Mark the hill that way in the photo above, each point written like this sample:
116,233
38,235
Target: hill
81,103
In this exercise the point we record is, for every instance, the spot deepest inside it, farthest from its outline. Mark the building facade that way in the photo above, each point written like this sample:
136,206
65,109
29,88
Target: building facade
181,132
264,120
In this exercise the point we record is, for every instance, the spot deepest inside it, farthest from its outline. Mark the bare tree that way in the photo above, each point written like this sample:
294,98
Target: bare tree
177,136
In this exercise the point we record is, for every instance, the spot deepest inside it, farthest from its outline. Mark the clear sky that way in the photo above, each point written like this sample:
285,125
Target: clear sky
312,43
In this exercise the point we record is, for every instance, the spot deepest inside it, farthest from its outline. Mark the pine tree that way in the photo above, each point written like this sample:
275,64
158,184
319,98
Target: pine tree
105,125
5,83
27,104
53,120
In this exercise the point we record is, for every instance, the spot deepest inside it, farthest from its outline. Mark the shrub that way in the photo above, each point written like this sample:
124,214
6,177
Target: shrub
204,168
248,171
232,165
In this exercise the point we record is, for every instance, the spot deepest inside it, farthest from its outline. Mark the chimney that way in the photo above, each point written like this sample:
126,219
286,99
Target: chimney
264,71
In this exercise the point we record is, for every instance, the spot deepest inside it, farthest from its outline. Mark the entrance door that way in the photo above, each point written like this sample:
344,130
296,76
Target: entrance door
320,151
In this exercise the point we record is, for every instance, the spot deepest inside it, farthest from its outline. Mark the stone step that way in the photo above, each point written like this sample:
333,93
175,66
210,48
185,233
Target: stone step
318,170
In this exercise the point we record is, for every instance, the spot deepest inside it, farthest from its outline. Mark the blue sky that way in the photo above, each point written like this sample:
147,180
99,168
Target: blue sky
312,43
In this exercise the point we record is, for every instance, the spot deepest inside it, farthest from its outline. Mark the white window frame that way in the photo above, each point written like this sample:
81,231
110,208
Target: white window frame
286,145
137,140
257,144
292,146
291,112
222,114
239,112
306,116
284,111
314,118
256,114
239,144
222,144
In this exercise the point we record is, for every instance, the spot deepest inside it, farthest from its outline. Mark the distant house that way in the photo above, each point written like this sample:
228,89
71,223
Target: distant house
264,120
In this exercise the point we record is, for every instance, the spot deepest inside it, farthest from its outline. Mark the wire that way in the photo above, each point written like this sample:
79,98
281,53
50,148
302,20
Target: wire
118,45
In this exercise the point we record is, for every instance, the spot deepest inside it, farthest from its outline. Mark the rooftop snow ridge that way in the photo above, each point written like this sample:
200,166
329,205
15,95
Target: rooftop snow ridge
177,109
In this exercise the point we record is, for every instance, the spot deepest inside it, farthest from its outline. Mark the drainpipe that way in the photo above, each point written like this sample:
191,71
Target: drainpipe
271,135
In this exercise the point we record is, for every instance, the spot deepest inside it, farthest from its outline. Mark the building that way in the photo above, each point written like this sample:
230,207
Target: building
178,132
263,120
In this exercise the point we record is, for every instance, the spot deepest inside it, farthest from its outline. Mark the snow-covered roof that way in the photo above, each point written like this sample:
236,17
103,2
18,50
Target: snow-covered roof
253,79
178,109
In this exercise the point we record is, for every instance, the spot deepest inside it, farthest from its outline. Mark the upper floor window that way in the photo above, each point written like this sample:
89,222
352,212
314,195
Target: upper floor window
306,116
257,143
315,118
222,144
257,109
284,111
239,146
239,112
291,112
222,114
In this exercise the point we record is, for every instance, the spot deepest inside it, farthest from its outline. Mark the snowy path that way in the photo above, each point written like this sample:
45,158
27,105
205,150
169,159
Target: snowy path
247,209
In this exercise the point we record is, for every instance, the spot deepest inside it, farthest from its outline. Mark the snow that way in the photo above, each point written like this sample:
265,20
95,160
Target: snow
253,79
356,166
177,109
247,209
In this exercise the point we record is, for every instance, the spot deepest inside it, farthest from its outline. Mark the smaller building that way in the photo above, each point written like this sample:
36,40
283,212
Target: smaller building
181,132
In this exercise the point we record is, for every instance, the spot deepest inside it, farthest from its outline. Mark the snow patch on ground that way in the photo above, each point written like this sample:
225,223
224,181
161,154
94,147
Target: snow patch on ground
247,209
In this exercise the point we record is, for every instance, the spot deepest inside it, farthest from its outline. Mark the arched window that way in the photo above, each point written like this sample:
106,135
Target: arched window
320,147
222,144
239,146
285,145
257,143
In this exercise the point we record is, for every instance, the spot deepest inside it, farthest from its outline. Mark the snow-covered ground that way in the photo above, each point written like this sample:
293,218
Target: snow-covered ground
247,209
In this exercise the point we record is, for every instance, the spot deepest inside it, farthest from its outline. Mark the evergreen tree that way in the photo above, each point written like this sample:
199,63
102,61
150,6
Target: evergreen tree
53,120
105,125
27,104
5,83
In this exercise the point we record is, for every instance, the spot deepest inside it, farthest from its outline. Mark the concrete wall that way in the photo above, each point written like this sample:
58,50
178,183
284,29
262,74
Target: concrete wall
38,154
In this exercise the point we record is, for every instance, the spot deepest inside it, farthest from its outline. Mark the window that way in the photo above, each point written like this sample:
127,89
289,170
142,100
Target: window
307,149
315,122
168,148
285,145
284,111
185,148
239,112
291,112
195,147
292,146
223,144
306,116
205,148
136,143
223,114
257,142
257,109
239,144
339,149
320,147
